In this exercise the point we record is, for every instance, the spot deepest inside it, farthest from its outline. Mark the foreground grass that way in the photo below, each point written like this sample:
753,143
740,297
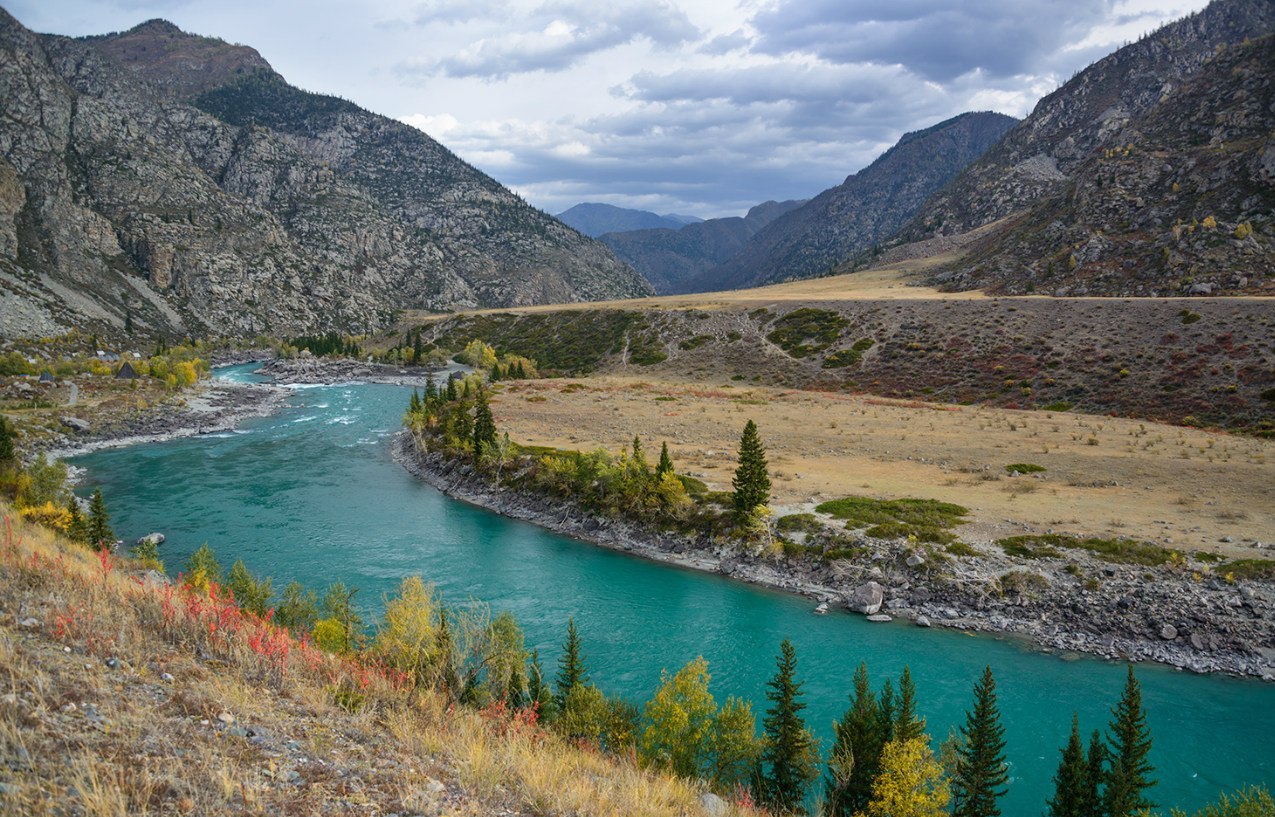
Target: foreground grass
122,697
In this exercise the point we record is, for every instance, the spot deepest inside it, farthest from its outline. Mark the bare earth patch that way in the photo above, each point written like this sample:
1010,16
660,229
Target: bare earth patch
1186,488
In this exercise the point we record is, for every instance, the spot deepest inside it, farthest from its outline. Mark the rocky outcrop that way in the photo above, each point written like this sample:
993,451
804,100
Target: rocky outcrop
868,208
178,181
670,258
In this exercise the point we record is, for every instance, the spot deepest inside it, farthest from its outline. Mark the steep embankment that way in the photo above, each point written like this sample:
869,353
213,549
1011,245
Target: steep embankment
1110,176
1200,361
179,181
125,695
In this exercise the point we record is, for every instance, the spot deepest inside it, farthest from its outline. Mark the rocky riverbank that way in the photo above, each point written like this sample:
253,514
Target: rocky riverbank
1179,616
313,370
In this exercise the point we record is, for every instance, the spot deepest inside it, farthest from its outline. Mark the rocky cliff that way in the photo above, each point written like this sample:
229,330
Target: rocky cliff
1104,186
179,181
868,208
671,258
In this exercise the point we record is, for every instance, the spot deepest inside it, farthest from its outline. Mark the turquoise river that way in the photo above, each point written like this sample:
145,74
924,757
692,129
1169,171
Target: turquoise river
311,493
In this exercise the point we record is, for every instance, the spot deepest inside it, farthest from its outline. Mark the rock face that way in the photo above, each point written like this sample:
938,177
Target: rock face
671,258
866,598
866,209
1106,187
180,181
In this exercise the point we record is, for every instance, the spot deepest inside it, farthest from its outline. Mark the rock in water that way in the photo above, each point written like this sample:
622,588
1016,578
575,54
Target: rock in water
879,618
866,598
152,538
822,609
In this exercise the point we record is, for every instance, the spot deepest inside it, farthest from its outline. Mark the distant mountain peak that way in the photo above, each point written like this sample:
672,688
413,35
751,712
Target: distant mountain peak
596,218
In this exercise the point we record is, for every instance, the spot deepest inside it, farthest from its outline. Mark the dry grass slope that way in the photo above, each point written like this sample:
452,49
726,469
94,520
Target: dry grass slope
127,697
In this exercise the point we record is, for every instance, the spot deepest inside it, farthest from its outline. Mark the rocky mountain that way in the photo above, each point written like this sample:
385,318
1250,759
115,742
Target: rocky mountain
669,258
1173,128
595,219
179,181
866,209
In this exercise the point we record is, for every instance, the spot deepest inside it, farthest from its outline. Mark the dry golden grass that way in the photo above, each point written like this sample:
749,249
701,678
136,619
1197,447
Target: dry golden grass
91,723
1180,486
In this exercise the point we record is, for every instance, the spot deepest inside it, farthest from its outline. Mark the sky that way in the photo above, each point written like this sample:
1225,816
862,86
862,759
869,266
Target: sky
698,107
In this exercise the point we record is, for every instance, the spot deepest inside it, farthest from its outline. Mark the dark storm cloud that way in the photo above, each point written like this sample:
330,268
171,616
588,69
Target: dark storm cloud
937,39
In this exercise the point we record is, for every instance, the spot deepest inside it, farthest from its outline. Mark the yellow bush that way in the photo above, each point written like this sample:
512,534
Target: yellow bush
48,515
1243,230
1209,223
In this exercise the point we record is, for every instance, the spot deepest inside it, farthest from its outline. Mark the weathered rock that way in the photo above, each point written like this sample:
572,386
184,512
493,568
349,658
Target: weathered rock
880,618
922,621
713,805
915,559
76,424
866,598
1168,632
152,538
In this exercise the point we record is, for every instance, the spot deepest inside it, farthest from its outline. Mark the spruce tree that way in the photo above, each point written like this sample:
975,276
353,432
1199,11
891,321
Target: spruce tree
885,712
447,678
789,757
8,451
77,529
1095,768
980,769
1129,740
571,669
484,425
857,745
431,390
100,534
414,405
751,482
907,724
666,462
538,690
450,394
1071,780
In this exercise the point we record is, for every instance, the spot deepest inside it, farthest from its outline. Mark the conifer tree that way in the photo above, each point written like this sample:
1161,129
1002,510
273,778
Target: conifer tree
751,482
855,752
100,534
484,425
77,528
907,724
980,770
790,755
414,405
666,462
571,669
1129,741
8,452
639,456
431,390
538,689
451,395
1071,781
445,673
417,351
885,712
1095,767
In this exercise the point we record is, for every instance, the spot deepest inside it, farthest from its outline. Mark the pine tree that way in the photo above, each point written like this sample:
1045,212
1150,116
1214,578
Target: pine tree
907,724
790,755
431,390
666,463
856,751
1071,780
571,669
751,482
447,678
539,692
484,425
980,769
417,351
1095,768
8,452
1129,739
451,394
885,712
100,534
414,405
77,529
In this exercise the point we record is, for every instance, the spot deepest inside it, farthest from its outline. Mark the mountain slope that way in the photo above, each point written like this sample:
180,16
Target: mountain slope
864,210
1038,157
180,182
595,219
1181,204
668,258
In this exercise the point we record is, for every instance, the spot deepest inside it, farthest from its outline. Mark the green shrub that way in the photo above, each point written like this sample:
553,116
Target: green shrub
1256,569
961,549
1119,551
805,332
1025,468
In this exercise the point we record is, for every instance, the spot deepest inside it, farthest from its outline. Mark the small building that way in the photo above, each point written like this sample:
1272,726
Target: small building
46,378
126,372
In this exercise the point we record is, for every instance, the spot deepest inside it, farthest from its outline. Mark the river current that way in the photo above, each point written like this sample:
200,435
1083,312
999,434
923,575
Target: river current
311,493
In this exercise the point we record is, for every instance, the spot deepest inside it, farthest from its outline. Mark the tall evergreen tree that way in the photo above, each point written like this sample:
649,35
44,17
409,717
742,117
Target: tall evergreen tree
539,691
77,529
885,712
450,394
571,669
8,451
484,425
431,390
751,482
856,751
1095,771
907,724
417,351
666,462
790,755
100,534
980,769
414,405
1071,781
445,671
1129,740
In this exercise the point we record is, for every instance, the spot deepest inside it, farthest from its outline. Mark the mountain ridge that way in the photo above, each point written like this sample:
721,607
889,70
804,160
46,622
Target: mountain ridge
595,219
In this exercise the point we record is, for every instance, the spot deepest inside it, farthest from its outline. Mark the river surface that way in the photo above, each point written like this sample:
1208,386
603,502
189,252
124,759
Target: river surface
311,494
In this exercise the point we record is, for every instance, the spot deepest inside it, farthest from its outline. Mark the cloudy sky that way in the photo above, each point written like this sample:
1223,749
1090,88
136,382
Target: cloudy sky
703,107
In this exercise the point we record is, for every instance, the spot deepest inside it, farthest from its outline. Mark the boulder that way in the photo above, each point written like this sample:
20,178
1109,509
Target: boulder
713,805
152,538
922,621
915,559
1168,632
76,424
879,618
866,598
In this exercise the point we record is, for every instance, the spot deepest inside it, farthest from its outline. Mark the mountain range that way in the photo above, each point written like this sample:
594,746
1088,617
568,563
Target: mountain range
179,184
595,219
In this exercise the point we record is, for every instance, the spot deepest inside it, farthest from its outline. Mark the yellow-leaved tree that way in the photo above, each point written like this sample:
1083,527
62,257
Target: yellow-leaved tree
680,717
407,638
910,782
